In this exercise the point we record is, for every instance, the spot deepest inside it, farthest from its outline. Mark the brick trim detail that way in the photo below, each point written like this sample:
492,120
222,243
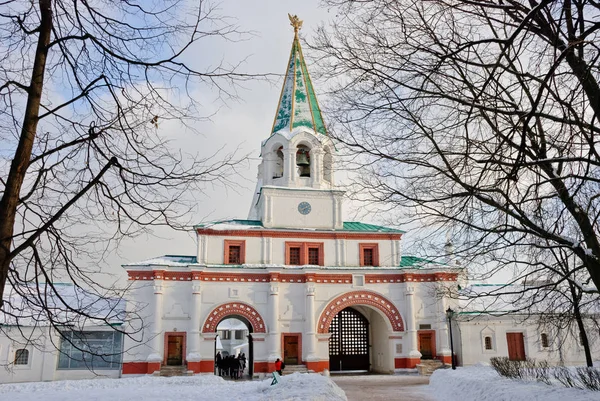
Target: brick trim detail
372,278
360,298
406,363
234,308
299,234
361,252
241,244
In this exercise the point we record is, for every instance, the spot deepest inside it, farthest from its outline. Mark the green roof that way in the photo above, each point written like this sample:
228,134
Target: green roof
348,226
415,261
298,106
364,227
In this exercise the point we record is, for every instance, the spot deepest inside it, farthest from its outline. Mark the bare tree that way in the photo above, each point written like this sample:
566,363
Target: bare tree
478,117
84,86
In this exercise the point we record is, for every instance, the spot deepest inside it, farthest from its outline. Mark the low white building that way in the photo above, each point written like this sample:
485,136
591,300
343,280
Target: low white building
500,323
31,349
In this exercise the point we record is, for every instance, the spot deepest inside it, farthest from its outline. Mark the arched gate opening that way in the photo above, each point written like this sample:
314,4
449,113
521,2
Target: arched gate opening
349,342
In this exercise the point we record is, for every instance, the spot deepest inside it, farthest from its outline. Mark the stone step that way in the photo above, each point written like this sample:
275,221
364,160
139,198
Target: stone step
169,371
428,366
289,369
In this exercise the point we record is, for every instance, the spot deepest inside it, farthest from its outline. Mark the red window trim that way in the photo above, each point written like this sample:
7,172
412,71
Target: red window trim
361,251
304,246
241,244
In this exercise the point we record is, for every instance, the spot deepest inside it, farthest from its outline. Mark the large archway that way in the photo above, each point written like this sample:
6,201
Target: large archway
359,324
234,348
368,298
349,342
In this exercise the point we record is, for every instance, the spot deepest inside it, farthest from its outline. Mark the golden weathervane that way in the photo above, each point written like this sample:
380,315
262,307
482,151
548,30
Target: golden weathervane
295,22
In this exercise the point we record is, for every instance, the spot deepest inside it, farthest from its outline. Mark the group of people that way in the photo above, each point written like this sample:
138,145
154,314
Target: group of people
230,365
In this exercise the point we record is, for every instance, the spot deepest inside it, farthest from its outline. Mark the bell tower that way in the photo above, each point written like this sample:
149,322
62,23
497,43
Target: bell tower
295,187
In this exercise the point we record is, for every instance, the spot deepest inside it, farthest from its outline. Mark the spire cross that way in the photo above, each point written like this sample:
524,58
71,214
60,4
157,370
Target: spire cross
295,22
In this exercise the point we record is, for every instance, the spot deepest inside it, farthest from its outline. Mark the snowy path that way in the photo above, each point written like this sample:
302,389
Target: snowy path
295,387
384,387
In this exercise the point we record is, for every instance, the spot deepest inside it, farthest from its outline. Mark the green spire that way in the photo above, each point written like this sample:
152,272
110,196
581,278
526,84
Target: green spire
298,106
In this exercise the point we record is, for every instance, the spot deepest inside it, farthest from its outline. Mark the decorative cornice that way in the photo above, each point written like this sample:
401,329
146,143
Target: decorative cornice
328,278
234,308
368,236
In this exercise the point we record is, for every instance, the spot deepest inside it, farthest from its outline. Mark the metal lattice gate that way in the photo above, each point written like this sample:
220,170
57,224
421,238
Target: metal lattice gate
349,341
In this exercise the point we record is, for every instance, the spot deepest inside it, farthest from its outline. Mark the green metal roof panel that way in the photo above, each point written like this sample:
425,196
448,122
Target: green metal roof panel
416,262
298,105
364,227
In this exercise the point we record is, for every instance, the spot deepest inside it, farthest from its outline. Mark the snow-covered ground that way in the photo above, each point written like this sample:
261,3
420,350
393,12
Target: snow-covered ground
482,383
197,388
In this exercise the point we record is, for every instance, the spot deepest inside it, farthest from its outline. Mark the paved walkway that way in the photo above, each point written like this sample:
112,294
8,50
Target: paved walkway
384,387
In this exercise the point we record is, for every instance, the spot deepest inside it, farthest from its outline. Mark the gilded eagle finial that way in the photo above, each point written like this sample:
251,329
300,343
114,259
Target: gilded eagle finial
295,22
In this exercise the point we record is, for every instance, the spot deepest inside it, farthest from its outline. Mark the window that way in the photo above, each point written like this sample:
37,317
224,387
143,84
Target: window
22,357
488,342
235,252
239,334
304,253
369,254
226,335
294,256
544,340
313,256
90,350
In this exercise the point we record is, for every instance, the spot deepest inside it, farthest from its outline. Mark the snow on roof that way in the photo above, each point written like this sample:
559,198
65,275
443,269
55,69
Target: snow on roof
32,305
166,260
351,226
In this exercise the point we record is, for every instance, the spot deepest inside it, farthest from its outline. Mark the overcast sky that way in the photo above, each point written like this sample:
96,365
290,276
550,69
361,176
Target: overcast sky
240,124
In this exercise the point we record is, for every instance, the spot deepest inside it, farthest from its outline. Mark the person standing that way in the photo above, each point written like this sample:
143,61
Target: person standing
278,366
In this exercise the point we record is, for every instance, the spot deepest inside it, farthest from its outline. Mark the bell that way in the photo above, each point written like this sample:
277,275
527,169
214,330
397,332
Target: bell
302,159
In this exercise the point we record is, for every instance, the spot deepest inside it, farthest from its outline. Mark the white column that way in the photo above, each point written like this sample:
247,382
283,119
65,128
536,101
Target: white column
156,334
316,170
289,166
194,329
411,323
310,342
443,327
274,340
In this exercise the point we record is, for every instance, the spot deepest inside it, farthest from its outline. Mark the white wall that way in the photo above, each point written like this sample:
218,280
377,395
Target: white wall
472,332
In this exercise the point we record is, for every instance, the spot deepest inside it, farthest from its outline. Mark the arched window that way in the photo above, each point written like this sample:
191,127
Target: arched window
22,357
488,342
544,340
278,171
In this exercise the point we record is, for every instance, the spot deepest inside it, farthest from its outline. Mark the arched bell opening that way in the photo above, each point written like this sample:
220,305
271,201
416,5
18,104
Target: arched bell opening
278,163
303,161
234,349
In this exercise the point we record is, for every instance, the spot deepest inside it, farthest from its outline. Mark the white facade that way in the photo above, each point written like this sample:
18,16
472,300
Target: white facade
42,357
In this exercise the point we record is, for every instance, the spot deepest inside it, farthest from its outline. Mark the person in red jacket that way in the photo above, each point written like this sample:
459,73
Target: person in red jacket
278,366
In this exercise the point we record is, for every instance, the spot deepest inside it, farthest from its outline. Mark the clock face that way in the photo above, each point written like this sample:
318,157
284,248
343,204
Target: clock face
304,208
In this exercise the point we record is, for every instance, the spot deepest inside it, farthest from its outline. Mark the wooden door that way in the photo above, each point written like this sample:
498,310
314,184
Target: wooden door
516,346
426,345
290,350
175,350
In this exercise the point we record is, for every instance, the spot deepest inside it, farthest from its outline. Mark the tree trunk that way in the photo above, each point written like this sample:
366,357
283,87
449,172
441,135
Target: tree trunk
580,325
20,162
